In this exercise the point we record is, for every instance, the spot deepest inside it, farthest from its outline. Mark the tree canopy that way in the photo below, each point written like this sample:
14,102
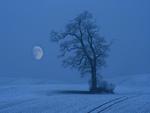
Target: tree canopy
81,45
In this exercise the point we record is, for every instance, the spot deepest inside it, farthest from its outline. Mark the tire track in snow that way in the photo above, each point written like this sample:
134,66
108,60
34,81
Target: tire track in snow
116,102
110,101
101,108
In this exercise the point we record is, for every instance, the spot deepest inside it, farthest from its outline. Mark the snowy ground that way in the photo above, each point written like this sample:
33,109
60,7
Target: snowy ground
132,95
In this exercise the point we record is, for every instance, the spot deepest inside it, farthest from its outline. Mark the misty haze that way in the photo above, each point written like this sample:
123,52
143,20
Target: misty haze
74,56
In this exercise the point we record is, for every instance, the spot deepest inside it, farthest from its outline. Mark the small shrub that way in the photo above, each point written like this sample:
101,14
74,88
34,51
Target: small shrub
103,86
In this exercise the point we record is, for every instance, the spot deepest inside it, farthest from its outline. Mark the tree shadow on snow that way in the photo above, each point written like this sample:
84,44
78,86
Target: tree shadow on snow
73,92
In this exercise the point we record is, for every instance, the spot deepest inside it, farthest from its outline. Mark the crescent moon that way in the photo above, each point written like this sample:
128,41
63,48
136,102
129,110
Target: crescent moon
38,52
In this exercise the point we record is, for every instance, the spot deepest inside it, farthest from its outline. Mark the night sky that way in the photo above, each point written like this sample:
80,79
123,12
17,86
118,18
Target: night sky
27,23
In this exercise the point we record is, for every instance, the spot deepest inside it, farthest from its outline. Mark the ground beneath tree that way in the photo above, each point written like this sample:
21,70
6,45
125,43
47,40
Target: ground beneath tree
131,96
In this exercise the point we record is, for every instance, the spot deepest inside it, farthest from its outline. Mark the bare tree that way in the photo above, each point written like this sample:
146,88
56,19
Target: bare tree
82,47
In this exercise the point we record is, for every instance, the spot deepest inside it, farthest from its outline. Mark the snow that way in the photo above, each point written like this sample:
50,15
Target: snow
22,95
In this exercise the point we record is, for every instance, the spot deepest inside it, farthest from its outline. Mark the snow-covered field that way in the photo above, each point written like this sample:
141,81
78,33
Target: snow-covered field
132,95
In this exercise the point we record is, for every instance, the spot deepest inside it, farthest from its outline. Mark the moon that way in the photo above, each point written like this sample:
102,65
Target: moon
38,52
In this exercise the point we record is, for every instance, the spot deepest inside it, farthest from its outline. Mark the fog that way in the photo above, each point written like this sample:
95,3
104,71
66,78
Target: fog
27,23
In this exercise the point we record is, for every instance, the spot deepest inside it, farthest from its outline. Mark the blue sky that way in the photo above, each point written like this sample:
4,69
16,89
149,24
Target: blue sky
26,23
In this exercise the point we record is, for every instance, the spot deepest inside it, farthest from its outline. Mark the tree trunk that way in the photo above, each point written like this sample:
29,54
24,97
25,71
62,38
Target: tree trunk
93,78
